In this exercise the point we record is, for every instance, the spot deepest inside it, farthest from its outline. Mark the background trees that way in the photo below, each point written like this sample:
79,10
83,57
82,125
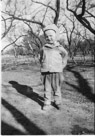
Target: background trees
84,11
23,22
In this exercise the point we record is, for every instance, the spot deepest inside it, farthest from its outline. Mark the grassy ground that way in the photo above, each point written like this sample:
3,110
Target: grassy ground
22,99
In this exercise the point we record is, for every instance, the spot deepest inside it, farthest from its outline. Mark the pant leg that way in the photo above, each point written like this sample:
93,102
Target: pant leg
56,84
47,89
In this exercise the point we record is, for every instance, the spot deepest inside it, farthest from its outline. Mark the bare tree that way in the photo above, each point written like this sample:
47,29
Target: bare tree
69,34
86,12
12,13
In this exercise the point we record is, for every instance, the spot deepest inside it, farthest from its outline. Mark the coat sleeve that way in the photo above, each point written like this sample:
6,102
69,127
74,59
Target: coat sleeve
64,55
41,55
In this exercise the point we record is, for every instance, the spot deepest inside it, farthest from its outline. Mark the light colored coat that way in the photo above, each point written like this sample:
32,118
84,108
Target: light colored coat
53,58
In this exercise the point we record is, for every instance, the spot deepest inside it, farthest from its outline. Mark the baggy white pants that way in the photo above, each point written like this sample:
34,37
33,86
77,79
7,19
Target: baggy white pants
52,82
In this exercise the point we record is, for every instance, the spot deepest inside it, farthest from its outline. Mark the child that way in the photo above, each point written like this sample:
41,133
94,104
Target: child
53,59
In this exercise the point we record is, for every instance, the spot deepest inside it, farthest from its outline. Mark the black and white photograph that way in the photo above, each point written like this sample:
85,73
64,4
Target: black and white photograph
47,67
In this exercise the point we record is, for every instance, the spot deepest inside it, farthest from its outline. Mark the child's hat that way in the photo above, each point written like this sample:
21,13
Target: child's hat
51,27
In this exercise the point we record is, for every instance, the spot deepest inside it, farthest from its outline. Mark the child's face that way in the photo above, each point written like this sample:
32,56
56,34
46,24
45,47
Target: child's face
50,36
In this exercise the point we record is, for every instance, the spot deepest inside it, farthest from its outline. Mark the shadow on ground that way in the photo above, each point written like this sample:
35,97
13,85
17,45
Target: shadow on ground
83,85
77,130
9,130
30,127
27,91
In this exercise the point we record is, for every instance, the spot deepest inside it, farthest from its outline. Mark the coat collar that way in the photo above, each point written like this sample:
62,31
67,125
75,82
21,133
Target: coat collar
56,44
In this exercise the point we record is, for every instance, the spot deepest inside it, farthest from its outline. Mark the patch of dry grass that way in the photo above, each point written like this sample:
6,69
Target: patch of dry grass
22,97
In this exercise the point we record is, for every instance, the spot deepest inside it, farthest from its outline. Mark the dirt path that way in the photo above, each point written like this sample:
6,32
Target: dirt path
22,98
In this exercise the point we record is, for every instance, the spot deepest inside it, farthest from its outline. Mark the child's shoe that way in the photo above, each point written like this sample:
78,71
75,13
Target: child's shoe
46,107
58,105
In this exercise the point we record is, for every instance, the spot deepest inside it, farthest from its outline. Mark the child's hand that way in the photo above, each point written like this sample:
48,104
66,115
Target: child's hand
62,77
64,64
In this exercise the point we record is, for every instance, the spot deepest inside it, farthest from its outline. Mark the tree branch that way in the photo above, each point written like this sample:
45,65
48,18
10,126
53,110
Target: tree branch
80,17
57,11
91,15
44,5
23,19
31,31
7,30
45,12
12,42
83,9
